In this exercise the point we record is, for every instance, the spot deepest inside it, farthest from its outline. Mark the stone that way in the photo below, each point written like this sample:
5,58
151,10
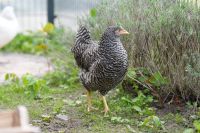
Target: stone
62,117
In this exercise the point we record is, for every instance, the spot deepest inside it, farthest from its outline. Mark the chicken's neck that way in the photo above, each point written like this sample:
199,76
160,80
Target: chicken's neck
107,39
111,48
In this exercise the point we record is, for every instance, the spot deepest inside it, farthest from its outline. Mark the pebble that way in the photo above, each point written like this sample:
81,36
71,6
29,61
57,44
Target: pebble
62,117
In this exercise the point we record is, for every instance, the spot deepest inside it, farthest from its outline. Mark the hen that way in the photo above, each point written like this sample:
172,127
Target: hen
9,26
103,65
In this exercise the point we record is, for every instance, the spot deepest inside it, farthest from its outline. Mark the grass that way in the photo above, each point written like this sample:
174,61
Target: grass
128,114
57,100
72,102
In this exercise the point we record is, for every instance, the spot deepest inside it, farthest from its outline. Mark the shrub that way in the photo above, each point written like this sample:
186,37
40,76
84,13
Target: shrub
164,38
45,41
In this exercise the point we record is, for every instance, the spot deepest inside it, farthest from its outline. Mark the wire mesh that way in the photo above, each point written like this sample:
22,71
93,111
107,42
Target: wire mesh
32,14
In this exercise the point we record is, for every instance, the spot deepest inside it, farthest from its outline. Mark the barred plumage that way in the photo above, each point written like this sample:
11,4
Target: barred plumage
104,65
82,44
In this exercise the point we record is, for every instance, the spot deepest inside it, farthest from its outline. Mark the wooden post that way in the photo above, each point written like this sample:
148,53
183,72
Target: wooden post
16,121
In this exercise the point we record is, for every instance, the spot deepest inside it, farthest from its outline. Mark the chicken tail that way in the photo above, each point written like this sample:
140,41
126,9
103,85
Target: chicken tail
81,44
82,39
83,35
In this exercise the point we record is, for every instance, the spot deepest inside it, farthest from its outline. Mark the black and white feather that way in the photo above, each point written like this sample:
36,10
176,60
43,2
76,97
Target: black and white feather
103,65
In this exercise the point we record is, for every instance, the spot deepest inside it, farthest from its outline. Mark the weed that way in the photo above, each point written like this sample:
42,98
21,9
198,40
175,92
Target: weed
43,42
188,130
179,119
142,79
28,43
196,124
140,103
11,77
46,118
33,85
57,108
29,85
152,122
119,120
65,75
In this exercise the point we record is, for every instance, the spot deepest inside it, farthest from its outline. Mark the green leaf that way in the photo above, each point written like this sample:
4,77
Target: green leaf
7,76
157,79
152,122
126,100
188,130
46,118
115,118
131,73
69,102
93,12
119,120
137,108
157,121
196,124
143,79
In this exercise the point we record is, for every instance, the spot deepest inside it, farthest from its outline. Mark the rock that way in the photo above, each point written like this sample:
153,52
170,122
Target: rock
62,117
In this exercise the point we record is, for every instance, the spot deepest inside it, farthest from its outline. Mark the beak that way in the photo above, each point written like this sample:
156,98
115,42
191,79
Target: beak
123,32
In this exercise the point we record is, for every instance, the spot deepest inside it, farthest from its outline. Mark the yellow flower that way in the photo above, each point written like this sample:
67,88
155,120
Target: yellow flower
48,28
42,46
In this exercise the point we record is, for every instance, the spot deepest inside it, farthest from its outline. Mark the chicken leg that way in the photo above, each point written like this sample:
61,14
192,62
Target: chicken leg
89,102
106,108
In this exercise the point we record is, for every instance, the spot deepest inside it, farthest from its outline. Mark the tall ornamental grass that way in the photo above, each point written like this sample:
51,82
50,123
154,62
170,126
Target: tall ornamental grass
164,37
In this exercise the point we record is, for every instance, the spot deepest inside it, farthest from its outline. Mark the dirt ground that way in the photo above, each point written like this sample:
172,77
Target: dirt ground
23,63
76,119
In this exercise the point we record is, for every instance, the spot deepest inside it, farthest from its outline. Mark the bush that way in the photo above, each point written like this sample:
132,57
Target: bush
44,41
164,38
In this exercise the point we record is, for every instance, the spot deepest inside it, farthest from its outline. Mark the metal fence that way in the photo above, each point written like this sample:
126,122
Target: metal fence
33,14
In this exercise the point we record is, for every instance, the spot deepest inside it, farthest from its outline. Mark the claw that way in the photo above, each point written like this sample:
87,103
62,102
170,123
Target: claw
105,111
